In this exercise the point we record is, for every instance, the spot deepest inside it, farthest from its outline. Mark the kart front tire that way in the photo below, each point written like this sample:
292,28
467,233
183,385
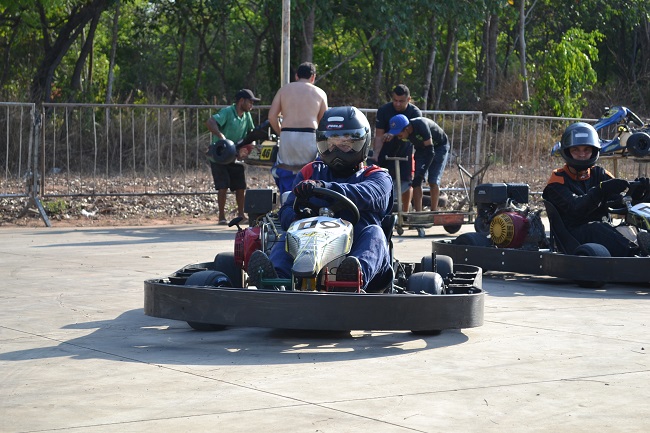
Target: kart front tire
591,250
473,239
639,144
430,283
208,278
225,262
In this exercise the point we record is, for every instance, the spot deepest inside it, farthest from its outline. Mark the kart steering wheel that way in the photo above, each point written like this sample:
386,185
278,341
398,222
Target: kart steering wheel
638,191
634,186
341,202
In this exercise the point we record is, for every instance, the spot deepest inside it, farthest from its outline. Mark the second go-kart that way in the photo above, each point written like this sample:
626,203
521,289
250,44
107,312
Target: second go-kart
425,297
631,139
510,237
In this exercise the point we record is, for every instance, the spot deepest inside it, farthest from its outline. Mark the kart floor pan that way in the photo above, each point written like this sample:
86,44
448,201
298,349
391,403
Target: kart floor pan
580,268
317,310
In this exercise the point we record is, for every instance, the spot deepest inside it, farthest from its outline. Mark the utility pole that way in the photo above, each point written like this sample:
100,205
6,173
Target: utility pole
285,58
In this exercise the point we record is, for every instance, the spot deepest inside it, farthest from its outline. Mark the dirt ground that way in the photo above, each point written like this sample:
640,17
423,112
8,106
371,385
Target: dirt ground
147,210
117,211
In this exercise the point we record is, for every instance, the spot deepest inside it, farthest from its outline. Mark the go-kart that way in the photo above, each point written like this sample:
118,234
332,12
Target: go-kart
632,138
510,237
424,297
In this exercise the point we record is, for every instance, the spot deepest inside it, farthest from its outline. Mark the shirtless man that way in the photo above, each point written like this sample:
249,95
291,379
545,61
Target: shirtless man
301,105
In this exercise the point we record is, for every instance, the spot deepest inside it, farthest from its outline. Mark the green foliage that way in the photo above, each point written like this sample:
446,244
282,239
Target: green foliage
197,51
565,73
55,207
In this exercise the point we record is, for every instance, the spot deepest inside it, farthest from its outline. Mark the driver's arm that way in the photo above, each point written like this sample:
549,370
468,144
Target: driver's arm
574,204
370,194
287,214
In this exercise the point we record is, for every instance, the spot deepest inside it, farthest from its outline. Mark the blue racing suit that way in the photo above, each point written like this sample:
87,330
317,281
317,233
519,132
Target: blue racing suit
370,188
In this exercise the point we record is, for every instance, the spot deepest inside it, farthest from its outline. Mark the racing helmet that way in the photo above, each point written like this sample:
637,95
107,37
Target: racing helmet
222,152
580,134
343,138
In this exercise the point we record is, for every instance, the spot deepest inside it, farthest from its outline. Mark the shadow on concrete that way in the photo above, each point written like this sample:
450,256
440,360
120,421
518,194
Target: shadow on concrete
143,235
504,284
134,337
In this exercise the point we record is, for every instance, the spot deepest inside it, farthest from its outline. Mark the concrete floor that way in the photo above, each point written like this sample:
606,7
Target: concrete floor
78,354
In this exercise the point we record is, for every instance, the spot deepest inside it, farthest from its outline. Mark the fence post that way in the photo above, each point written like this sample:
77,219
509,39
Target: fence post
32,170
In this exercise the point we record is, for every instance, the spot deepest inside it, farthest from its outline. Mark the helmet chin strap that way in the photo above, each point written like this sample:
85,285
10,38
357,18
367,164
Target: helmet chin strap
344,171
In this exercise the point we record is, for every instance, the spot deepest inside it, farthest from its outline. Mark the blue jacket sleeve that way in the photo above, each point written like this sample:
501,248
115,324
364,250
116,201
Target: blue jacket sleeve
373,195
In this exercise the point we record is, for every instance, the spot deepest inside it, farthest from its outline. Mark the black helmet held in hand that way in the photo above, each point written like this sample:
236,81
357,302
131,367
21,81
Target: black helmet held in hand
580,134
222,152
343,139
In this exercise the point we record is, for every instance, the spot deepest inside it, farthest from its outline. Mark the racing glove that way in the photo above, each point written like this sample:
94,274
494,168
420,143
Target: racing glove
610,187
305,188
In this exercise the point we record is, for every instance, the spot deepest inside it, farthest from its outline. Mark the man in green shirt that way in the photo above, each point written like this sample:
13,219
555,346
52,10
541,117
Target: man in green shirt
232,123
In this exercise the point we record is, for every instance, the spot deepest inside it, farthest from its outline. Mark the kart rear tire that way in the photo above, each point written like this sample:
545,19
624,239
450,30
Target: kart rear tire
428,282
639,144
473,239
225,262
591,250
208,278
444,265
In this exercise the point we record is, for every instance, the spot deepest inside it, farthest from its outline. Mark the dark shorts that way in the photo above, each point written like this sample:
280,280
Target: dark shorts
228,176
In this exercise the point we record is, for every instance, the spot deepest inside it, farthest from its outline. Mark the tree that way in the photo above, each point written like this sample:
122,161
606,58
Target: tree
56,46
566,73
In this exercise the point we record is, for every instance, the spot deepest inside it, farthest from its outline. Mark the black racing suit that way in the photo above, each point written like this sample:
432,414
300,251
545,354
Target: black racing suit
584,210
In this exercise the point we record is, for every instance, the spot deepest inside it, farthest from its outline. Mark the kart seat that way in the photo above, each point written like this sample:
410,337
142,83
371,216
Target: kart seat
387,225
561,238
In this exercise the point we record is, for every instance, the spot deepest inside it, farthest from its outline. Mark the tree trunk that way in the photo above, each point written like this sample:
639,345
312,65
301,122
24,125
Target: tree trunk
111,64
6,56
522,50
251,77
451,37
179,64
431,63
86,51
454,80
377,69
491,55
41,87
309,23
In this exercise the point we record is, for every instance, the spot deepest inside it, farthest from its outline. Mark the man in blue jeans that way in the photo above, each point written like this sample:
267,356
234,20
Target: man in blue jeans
343,140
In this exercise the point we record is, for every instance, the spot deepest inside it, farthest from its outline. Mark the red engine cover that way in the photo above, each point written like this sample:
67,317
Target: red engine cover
246,241
509,230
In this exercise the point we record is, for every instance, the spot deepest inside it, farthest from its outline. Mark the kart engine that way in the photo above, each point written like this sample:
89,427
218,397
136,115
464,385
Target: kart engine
513,228
246,241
